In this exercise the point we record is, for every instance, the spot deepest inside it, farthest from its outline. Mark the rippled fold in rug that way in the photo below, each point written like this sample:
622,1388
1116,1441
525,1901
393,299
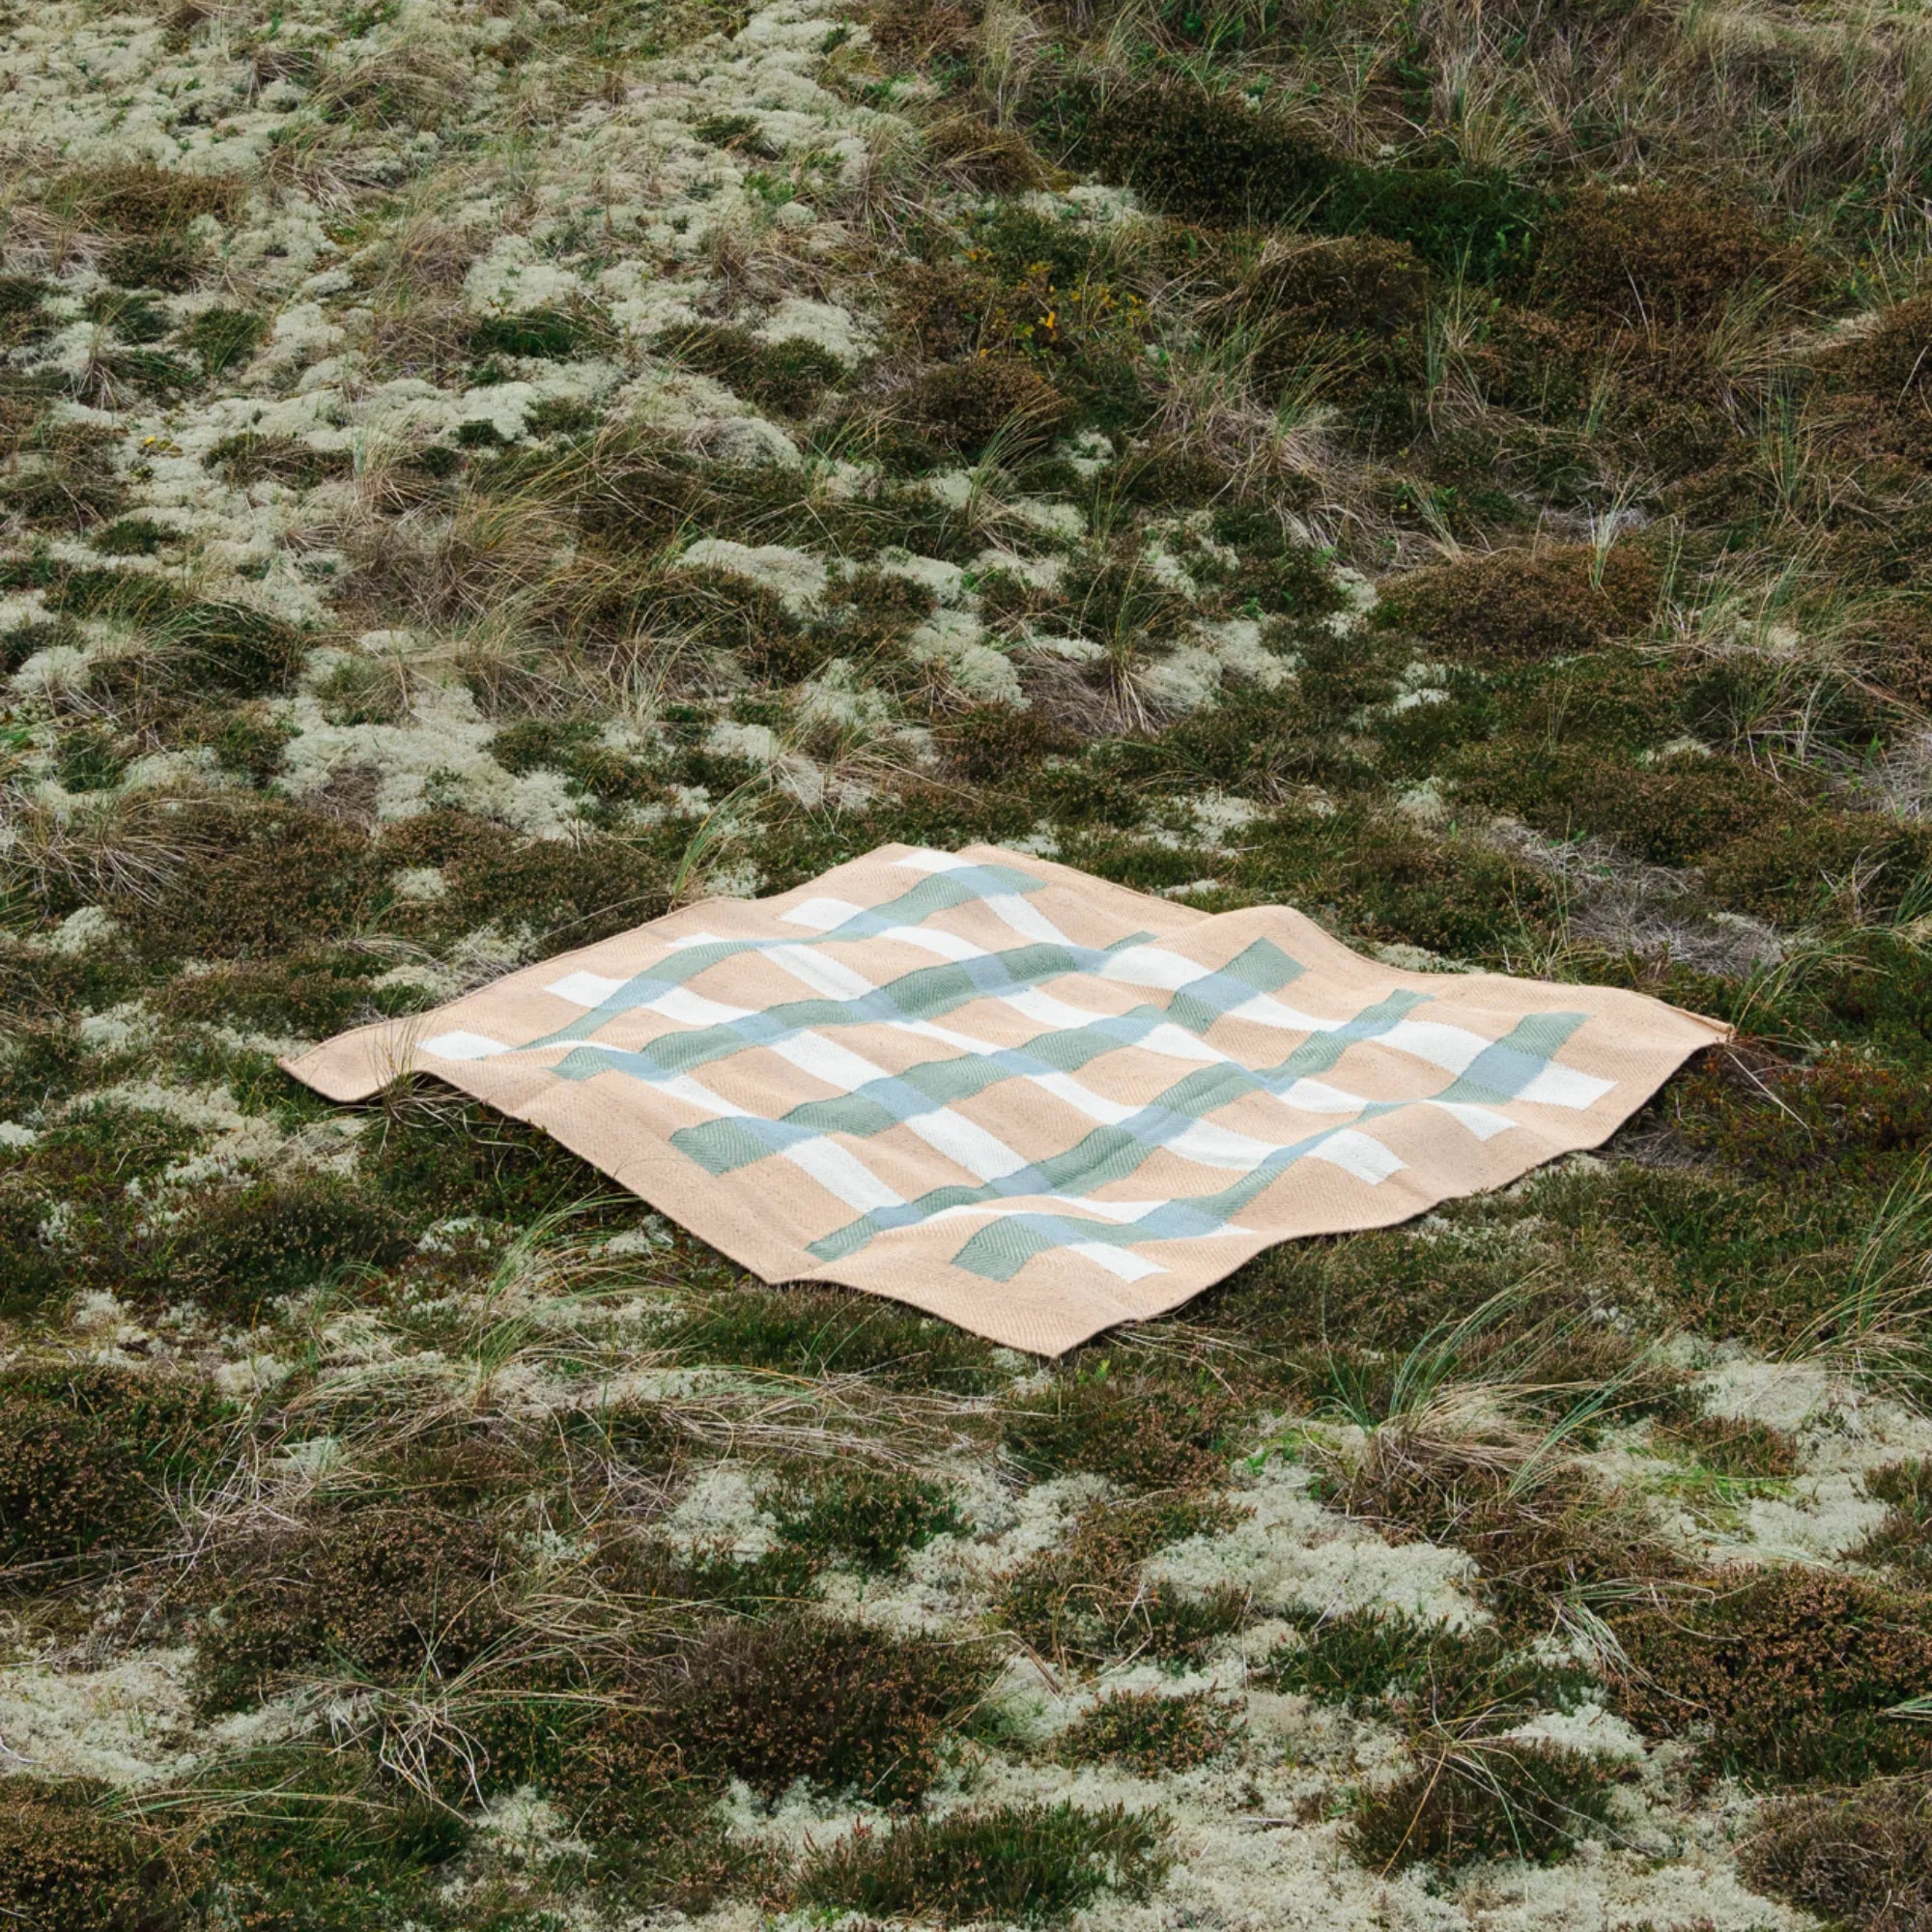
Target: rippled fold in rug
1020,1097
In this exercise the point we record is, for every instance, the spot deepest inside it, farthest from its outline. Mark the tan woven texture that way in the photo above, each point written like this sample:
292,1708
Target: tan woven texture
1017,1096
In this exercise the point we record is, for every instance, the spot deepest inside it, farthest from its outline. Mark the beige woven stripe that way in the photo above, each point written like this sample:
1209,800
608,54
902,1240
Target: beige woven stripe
1123,1151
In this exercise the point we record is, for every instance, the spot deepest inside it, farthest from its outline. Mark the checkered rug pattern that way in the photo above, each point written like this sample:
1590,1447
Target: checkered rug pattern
1018,1096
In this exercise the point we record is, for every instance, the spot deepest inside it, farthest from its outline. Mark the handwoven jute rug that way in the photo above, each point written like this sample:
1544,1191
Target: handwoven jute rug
1017,1096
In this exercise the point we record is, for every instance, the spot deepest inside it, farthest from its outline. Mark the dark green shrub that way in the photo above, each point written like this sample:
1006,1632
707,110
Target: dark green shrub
1668,811
432,1155
1792,1672
308,994
222,337
664,1846
788,376
1487,1799
1843,1113
1138,1432
1033,1862
911,31
1217,159
988,158
1085,1599
392,1593
1862,1859
988,743
1734,1446
964,406
133,536
1170,475
73,483
88,759
329,1841
1369,1659
1213,157
132,318
1151,1733
1389,879
869,1517
1483,227
1516,604
1658,256
87,1456
142,198
795,1696
1535,1540
26,640
1791,871
543,334
249,457
817,1333
740,132
68,1864
32,1270
1904,1539
1355,287
943,309
170,263
1892,361
232,648
23,319
266,877
244,1246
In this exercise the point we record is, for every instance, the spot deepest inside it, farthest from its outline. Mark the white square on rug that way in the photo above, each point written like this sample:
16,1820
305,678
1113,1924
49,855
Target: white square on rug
1017,1096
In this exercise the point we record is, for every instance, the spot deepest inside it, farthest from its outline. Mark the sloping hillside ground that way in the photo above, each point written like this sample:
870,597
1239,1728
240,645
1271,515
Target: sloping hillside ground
478,475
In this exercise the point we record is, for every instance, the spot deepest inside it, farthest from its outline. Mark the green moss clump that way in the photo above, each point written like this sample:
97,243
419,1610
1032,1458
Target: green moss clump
1525,605
1031,1862
87,1456
1149,1733
1792,1673
1494,1800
